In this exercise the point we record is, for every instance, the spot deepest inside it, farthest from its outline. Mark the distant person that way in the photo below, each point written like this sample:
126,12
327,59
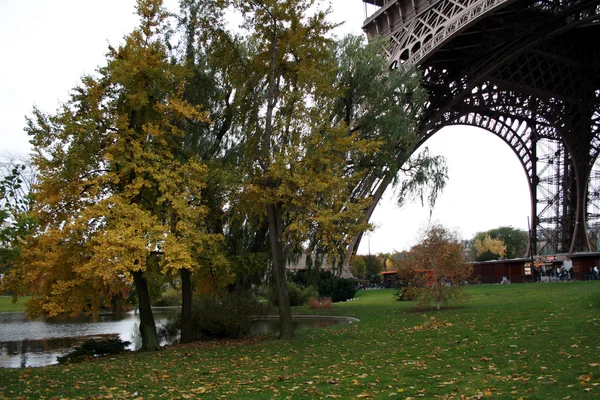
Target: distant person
596,272
568,267
537,273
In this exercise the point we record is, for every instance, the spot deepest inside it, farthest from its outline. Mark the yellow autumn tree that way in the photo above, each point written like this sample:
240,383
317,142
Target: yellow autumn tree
296,157
492,245
117,196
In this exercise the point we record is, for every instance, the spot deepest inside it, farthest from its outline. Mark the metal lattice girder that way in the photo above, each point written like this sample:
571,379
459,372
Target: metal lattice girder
528,71
553,228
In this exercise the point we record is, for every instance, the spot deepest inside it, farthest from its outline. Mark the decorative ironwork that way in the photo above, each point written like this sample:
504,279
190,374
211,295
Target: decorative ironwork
523,70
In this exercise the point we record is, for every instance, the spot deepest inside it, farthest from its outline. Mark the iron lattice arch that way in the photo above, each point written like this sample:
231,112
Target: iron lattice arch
527,71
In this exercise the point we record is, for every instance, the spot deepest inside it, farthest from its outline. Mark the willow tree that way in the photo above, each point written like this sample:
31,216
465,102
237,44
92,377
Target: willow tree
295,156
385,106
16,200
115,197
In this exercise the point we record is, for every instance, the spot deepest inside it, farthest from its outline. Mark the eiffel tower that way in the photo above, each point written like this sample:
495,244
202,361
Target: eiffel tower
526,71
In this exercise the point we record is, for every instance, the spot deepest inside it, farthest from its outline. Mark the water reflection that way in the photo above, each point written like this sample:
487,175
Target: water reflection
26,343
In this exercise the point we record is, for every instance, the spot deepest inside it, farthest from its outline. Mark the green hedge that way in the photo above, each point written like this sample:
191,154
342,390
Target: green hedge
328,285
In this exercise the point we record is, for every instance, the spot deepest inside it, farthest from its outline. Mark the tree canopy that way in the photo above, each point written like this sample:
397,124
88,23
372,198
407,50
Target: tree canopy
296,156
436,268
383,106
490,248
16,199
115,196
206,157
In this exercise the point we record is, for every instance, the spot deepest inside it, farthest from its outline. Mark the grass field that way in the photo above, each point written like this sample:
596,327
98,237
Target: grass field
527,341
7,305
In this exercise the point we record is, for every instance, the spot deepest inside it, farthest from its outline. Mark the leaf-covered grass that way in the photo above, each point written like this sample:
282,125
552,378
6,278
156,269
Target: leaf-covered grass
7,305
527,341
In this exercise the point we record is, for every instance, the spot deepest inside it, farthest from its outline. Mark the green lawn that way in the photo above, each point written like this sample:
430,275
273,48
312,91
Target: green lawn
7,305
527,341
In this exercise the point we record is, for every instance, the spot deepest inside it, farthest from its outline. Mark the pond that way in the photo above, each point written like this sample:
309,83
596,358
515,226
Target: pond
26,343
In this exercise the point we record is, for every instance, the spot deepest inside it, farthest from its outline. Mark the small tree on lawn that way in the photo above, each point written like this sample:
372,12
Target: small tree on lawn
436,268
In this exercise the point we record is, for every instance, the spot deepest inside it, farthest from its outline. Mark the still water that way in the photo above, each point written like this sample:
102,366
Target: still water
26,343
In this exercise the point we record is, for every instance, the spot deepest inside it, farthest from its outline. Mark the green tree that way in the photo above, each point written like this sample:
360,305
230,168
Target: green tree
116,198
436,268
516,242
201,26
370,265
16,201
358,266
383,106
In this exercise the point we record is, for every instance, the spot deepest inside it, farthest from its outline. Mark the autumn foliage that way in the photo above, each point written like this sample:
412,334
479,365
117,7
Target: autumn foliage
118,196
435,270
188,170
493,245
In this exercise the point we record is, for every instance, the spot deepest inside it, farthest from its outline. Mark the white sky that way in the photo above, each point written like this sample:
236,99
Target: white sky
48,45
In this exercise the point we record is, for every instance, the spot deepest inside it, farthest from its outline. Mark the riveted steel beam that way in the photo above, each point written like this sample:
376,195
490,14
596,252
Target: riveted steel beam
523,70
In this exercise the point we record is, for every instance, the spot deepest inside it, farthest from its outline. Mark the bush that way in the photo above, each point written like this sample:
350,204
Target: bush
298,294
226,316
319,303
328,285
94,348
437,268
339,289
168,297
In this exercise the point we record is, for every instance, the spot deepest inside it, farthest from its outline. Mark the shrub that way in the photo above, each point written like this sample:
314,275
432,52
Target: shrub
319,303
298,294
224,316
94,348
339,289
168,297
328,285
437,268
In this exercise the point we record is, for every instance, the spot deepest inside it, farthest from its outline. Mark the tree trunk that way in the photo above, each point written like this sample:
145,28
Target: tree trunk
147,326
286,328
186,306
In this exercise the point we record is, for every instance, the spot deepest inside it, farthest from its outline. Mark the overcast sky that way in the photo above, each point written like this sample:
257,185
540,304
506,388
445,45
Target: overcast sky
47,46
